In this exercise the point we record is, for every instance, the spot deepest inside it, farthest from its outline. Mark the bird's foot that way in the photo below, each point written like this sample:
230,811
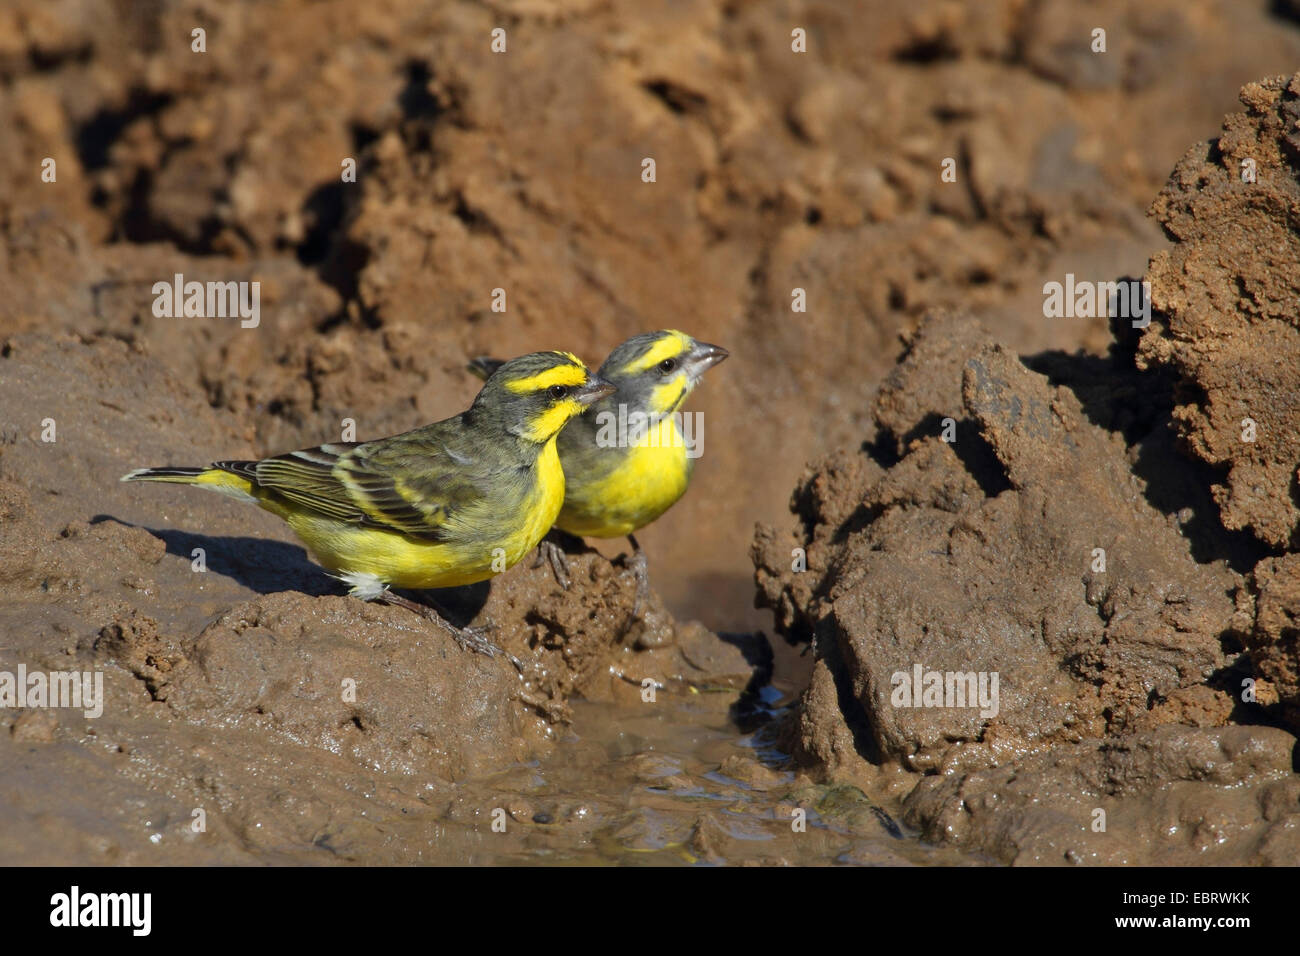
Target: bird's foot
548,550
476,639
469,638
640,568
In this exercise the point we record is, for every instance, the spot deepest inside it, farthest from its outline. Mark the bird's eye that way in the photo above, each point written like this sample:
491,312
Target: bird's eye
558,391
667,365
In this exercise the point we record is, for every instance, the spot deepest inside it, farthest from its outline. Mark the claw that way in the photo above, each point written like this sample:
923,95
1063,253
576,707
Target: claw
476,639
469,638
550,551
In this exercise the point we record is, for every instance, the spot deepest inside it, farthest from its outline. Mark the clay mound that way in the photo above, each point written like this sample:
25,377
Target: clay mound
1024,546
1039,520
1229,297
980,555
1031,520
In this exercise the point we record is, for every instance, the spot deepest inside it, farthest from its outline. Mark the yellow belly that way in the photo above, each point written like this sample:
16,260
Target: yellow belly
396,559
647,482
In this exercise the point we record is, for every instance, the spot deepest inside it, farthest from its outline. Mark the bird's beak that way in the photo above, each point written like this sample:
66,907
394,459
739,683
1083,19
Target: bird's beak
595,389
702,357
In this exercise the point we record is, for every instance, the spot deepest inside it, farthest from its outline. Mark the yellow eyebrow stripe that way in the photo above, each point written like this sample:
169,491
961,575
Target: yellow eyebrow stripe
575,374
673,343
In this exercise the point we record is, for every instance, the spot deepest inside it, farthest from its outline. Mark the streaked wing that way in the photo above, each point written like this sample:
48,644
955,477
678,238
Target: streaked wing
396,485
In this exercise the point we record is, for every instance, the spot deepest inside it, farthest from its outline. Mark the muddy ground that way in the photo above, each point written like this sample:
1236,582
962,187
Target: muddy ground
775,171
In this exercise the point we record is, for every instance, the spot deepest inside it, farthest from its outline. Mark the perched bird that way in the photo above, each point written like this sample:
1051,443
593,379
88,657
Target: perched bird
613,488
443,505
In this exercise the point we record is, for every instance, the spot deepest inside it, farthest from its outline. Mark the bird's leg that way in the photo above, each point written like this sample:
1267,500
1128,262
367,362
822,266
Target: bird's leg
470,638
551,548
641,570
548,550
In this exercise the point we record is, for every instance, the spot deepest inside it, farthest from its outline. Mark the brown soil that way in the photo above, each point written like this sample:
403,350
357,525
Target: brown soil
1137,685
775,171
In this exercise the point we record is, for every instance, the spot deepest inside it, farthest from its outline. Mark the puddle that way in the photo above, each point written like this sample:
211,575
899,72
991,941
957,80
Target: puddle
675,783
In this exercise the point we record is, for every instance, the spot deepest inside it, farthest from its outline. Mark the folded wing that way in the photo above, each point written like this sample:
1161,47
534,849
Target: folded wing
398,486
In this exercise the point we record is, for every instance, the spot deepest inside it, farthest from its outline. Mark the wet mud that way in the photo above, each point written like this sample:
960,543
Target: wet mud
255,714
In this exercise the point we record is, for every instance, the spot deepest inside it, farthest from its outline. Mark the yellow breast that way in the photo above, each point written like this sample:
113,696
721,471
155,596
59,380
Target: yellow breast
647,481
548,500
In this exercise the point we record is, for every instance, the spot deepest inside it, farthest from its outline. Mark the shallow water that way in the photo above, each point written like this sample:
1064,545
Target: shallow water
675,784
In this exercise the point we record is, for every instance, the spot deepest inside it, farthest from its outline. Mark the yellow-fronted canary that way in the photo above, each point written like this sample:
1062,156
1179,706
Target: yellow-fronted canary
619,479
442,505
